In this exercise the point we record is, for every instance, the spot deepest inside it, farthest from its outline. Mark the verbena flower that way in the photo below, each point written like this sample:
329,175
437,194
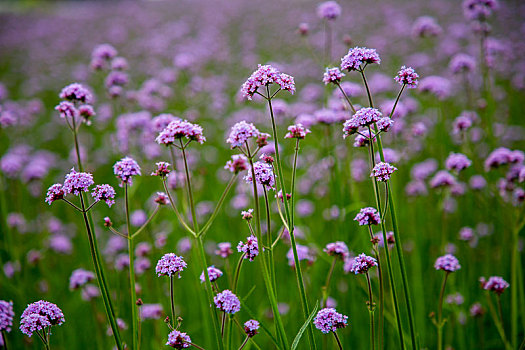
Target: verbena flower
264,76
329,10
407,76
297,131
79,278
337,249
368,216
178,129
358,56
6,315
125,169
67,110
382,171
40,315
329,320
426,26
170,265
263,175
362,263
476,310
442,179
224,249
332,75
303,253
178,340
237,164
227,301
162,198
213,273
105,193
494,284
457,162
251,328
247,214
151,311
75,182
250,248
385,124
462,63
54,193
77,93
448,263
240,133
461,123
438,86
479,9
162,170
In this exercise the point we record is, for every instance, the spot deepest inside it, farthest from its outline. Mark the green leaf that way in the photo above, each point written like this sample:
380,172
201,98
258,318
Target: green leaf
305,325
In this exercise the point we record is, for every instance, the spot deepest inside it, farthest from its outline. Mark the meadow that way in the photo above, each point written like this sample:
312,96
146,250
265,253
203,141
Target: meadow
262,175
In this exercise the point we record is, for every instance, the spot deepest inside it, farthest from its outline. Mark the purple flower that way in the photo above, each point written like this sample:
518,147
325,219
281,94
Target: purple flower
363,139
250,248
67,110
368,216
303,253
457,162
466,234
494,284
297,131
426,26
251,328
178,340
178,129
125,169
479,9
329,320
40,315
501,156
162,170
462,63
227,301
384,124
86,112
237,164
263,175
382,171
329,10
150,311
76,183
337,249
362,263
79,278
476,310
332,75
366,116
54,193
477,182
105,193
162,198
357,56
240,133
169,265
6,316
448,263
213,273
439,86
461,123
442,179
407,76
77,93
224,249
264,76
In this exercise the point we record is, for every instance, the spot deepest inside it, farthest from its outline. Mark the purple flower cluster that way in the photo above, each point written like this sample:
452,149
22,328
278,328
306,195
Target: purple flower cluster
240,133
227,301
237,164
162,198
67,109
250,248
329,320
263,175
224,249
442,179
426,26
80,277
170,265
462,63
337,249
448,263
407,76
457,162
77,93
6,315
178,129
178,340
75,182
105,193
303,253
368,216
213,273
162,170
358,56
461,123
54,193
382,171
501,156
362,263
494,284
251,328
151,311
297,131
329,10
479,9
125,169
264,76
40,315
332,75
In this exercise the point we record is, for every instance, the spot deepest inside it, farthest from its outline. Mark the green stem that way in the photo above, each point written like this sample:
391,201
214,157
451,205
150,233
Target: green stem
269,239
391,115
177,213
218,207
4,340
499,325
190,192
244,343
440,312
237,273
147,222
172,301
371,307
346,97
327,283
133,294
338,341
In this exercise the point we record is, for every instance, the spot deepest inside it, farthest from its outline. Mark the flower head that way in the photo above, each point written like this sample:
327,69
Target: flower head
384,124
337,249
264,76
494,284
297,131
368,216
54,193
67,109
178,340
237,164
162,198
329,10
241,132
358,56
457,162
105,193
40,315
382,171
362,263
247,214
162,170
178,129
6,315
479,9
407,76
251,328
77,93
170,265
125,169
332,75
329,320
75,182
79,278
250,248
462,63
303,253
263,175
227,301
224,249
448,263
213,273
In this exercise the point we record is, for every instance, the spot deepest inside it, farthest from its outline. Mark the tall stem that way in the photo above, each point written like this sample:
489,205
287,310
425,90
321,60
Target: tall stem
190,192
172,301
327,284
440,312
4,340
338,341
131,253
269,239
371,312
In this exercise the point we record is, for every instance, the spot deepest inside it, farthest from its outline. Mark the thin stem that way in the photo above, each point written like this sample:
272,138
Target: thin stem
190,192
147,221
397,100
327,283
371,307
244,343
370,101
118,233
440,312
346,97
73,205
294,172
172,301
194,345
237,273
133,293
499,325
338,341
219,205
4,340
177,213
269,237
223,322
77,148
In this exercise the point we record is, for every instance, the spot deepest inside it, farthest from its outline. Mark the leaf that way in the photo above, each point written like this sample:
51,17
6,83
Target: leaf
305,325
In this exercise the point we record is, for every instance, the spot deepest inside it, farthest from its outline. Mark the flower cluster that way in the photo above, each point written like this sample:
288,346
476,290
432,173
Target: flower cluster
170,265
105,193
479,9
442,179
365,117
382,171
362,263
368,216
332,75
247,214
250,248
162,170
213,273
75,182
263,175
6,315
80,277
178,340
227,301
240,133
125,169
178,129
457,162
55,193
251,328
297,131
77,93
337,249
448,263
329,10
329,320
237,164
495,284
224,249
407,76
358,56
40,315
162,198
264,76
